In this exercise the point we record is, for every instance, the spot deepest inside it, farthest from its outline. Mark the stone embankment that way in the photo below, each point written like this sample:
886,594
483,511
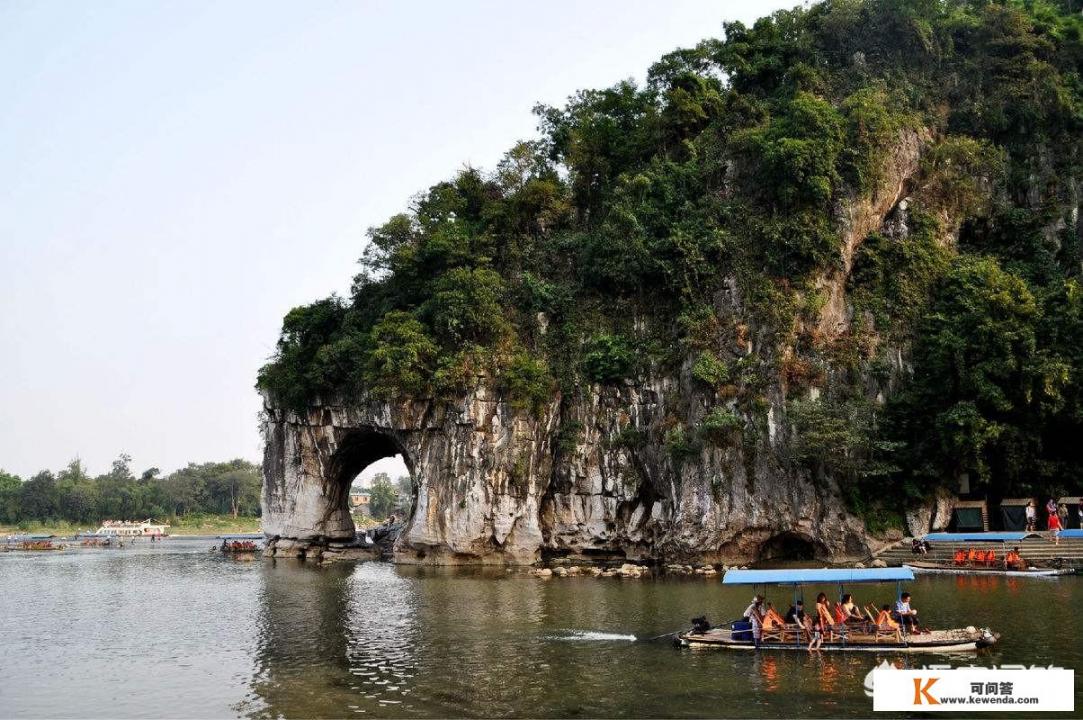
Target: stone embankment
625,570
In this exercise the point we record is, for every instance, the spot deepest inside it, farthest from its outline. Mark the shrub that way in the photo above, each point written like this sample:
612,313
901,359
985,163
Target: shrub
608,359
466,306
527,382
711,371
722,426
402,355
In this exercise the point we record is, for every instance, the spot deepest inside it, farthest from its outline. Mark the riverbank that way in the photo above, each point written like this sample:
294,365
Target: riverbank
189,525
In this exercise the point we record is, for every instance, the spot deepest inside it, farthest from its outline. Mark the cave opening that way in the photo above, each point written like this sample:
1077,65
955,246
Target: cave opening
372,479
788,546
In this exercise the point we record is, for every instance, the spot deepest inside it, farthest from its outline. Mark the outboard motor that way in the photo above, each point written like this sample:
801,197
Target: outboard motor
700,625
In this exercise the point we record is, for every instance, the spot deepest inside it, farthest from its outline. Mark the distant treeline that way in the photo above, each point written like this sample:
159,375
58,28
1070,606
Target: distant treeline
72,494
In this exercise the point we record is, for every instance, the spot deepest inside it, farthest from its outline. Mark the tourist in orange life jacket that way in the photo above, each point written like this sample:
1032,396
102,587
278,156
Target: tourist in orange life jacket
1013,560
823,613
884,621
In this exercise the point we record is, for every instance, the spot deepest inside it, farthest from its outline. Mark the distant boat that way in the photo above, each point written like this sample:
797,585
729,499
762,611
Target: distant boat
130,529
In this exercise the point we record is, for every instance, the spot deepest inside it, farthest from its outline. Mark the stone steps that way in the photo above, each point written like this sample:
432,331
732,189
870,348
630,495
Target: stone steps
1040,549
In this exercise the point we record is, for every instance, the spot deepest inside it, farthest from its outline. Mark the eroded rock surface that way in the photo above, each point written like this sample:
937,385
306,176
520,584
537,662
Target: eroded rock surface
495,486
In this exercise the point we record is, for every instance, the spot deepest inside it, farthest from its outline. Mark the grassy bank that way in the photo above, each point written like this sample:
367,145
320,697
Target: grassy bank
188,525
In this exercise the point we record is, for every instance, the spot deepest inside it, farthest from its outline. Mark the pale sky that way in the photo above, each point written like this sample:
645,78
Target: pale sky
175,176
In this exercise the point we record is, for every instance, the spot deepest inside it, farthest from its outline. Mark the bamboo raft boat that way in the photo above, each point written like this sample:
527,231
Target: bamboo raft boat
239,545
849,638
936,569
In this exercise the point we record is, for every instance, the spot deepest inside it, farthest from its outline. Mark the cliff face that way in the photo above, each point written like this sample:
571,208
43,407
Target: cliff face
593,475
494,487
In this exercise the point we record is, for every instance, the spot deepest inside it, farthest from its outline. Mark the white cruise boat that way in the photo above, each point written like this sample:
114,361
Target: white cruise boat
131,529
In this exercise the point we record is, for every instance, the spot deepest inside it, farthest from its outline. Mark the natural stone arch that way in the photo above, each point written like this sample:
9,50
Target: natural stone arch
358,449
312,460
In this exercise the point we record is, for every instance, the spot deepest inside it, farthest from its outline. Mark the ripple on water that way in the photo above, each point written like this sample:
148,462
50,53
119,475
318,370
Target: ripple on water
112,633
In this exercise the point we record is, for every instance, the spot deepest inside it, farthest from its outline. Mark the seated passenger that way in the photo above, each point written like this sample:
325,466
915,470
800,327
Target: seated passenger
905,614
960,557
850,611
796,614
972,556
1013,560
884,621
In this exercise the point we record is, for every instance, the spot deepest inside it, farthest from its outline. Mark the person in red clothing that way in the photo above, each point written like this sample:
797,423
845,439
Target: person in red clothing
1054,527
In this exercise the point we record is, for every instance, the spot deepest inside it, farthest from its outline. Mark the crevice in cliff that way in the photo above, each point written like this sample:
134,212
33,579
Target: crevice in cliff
793,546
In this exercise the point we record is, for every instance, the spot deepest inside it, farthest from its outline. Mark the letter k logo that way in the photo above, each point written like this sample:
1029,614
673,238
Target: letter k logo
919,691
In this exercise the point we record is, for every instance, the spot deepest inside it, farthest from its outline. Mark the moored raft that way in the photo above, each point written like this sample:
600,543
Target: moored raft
856,637
974,555
937,569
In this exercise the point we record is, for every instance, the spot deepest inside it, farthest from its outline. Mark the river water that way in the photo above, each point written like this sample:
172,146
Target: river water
171,630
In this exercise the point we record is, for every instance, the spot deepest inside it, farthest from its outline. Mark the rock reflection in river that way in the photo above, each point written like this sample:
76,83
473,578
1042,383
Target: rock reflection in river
110,634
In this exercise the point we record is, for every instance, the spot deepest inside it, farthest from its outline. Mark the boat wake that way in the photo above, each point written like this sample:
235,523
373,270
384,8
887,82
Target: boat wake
588,635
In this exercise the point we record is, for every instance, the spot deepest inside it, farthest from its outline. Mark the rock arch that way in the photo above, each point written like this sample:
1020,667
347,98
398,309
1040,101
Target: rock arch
308,467
473,471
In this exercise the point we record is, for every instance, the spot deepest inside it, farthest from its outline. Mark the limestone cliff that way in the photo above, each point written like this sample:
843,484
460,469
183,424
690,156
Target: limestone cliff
495,487
590,475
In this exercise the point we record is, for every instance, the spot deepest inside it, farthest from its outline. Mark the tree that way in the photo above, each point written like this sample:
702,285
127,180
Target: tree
39,497
404,493
10,487
381,496
234,489
983,387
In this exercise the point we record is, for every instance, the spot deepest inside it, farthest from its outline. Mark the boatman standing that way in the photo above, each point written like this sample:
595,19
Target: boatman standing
754,614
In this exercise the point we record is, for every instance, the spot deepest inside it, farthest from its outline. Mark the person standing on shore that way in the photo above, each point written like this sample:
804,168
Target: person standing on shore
1032,517
1054,527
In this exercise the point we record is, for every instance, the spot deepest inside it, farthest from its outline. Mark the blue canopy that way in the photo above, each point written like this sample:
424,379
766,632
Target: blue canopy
979,537
1071,533
805,576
